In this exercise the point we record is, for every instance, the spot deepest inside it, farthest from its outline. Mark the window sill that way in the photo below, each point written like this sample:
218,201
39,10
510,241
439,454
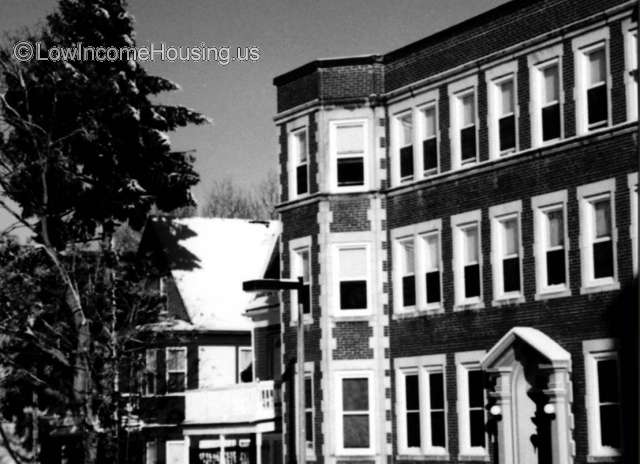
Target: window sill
351,317
508,300
614,458
597,288
470,306
367,455
305,320
423,457
426,311
473,457
550,294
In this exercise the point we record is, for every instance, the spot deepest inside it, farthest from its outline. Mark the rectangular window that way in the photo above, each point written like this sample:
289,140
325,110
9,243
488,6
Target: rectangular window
437,415
467,259
308,412
507,116
471,261
412,412
432,267
467,103
602,376
350,154
174,452
299,152
475,405
506,250
245,365
472,403
356,413
176,369
151,371
151,452
405,128
550,111
555,253
597,88
598,234
407,264
303,269
510,231
430,141
353,278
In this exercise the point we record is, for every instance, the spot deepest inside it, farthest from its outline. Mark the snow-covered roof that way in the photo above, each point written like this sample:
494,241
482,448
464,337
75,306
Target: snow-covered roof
228,252
538,340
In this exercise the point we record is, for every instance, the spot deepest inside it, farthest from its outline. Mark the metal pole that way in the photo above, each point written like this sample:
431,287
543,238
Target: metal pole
302,436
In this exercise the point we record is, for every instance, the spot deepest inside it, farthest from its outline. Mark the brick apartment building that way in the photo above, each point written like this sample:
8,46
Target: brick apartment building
464,211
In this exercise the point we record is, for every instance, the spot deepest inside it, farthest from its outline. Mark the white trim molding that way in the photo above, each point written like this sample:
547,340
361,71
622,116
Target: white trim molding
465,362
632,183
630,31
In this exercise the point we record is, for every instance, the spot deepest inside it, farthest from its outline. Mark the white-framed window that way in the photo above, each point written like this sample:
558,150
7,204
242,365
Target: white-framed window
176,367
421,410
598,236
467,259
632,183
503,109
471,404
602,401
506,250
547,96
348,148
150,371
405,131
355,418
151,452
309,414
593,81
175,452
353,274
299,146
630,30
464,122
551,244
300,256
245,364
428,116
417,267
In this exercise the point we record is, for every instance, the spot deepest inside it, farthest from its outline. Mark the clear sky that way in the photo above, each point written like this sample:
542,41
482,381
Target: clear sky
240,97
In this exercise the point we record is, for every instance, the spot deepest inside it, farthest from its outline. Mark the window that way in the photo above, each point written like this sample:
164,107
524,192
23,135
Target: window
602,375
416,272
632,182
551,244
405,136
308,412
407,264
300,253
245,365
598,235
462,95
151,452
430,139
348,146
502,109
421,405
546,95
506,250
300,157
471,400
175,452
467,258
151,372
592,80
176,369
353,292
631,67
355,425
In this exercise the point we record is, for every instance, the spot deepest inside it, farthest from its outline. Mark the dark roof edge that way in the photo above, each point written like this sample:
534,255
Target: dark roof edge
404,50
324,63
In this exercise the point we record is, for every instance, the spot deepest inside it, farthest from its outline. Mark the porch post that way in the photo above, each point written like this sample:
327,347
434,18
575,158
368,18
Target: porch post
504,426
559,395
258,447
187,448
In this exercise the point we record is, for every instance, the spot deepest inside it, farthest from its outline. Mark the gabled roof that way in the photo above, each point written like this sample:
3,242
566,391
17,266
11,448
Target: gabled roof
536,339
210,259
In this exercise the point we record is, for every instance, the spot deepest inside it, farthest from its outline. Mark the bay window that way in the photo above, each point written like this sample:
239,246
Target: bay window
348,148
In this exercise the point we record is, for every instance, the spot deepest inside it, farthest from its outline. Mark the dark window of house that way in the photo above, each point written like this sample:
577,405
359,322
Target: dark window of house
609,402
430,142
511,255
412,399
300,154
603,240
551,103
597,88
476,408
350,143
432,267
506,122
353,278
355,412
468,128
406,146
556,269
471,262
436,399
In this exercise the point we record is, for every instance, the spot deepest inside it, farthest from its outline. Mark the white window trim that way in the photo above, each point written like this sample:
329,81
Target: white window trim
333,157
465,361
422,366
416,231
632,183
494,77
457,90
295,246
458,221
347,313
309,372
586,193
581,46
536,62
186,367
497,214
415,106
594,350
293,162
539,204
354,374
630,57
